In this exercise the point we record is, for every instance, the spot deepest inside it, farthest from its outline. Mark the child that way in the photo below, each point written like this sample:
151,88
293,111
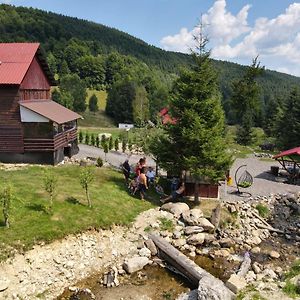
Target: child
150,176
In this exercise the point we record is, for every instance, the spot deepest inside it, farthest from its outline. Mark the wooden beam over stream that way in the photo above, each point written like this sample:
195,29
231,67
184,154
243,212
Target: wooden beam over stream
195,274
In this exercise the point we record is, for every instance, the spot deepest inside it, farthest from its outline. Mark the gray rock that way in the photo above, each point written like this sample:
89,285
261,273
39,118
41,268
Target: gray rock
196,239
209,238
176,234
175,208
212,289
236,283
226,242
145,252
179,243
192,295
151,246
207,226
192,216
193,229
135,264
274,254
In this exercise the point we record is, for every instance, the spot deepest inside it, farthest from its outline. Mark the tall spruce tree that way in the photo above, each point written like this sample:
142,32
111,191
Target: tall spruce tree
289,125
195,143
246,102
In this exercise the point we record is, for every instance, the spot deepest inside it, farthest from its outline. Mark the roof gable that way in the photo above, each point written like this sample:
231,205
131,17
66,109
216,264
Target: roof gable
15,60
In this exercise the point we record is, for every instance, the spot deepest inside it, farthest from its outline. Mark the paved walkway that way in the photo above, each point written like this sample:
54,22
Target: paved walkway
264,183
115,158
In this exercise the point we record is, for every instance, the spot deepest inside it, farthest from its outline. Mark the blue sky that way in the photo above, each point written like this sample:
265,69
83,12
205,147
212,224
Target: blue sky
238,29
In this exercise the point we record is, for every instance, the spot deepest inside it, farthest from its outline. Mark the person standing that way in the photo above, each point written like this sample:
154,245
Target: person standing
126,170
139,166
142,183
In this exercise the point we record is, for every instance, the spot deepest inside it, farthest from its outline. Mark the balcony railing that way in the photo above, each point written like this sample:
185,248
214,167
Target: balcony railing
60,140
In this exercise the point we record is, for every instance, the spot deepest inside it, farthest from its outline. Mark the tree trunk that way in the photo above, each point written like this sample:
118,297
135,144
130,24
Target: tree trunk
6,221
196,193
88,198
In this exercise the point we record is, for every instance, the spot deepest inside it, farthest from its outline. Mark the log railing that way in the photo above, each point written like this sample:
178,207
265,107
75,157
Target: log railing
60,140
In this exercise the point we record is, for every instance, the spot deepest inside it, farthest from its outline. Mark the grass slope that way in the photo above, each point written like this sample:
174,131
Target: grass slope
99,118
30,224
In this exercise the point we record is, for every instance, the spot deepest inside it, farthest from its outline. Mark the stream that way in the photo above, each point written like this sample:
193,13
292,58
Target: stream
153,282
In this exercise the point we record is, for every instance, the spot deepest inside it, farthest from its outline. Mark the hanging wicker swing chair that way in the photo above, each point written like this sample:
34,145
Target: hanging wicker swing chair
245,180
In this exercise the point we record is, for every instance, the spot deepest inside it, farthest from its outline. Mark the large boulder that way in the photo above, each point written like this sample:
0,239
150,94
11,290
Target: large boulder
135,264
196,239
207,226
236,283
211,288
192,216
188,230
177,209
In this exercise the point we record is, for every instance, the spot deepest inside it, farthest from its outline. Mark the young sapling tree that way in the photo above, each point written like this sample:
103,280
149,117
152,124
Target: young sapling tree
6,197
50,186
86,177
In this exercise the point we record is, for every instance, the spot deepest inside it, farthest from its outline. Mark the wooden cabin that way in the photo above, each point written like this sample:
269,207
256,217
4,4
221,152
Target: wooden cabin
33,128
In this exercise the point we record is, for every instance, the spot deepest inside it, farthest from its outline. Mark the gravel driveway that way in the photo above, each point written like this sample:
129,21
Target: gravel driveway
115,158
264,182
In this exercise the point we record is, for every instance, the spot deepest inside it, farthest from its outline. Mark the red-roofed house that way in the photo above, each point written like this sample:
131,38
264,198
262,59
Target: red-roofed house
33,128
165,117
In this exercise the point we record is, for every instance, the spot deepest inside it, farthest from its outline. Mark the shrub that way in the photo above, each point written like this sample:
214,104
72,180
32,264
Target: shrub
166,224
6,197
87,138
263,210
117,144
80,137
97,141
111,143
99,162
93,140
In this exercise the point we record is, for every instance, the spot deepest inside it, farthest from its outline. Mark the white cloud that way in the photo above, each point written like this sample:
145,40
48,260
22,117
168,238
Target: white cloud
276,40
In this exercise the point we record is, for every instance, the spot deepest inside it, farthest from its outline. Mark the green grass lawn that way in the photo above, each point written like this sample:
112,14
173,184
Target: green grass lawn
30,224
101,95
115,132
240,151
99,118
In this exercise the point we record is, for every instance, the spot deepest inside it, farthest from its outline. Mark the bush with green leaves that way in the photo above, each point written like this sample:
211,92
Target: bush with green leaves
110,143
99,162
124,145
93,140
80,137
105,148
86,177
6,197
263,210
117,144
97,141
50,186
87,138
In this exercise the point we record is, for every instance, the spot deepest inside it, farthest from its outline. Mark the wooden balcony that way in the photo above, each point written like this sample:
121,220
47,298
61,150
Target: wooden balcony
60,140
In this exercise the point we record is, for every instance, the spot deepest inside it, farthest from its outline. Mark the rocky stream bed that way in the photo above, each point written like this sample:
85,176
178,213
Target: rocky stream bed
122,263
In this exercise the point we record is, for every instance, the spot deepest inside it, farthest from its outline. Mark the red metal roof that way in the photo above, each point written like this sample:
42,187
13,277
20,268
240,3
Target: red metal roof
294,151
15,59
51,110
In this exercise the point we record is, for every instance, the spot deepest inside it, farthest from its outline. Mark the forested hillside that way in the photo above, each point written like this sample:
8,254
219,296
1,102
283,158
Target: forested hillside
106,58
